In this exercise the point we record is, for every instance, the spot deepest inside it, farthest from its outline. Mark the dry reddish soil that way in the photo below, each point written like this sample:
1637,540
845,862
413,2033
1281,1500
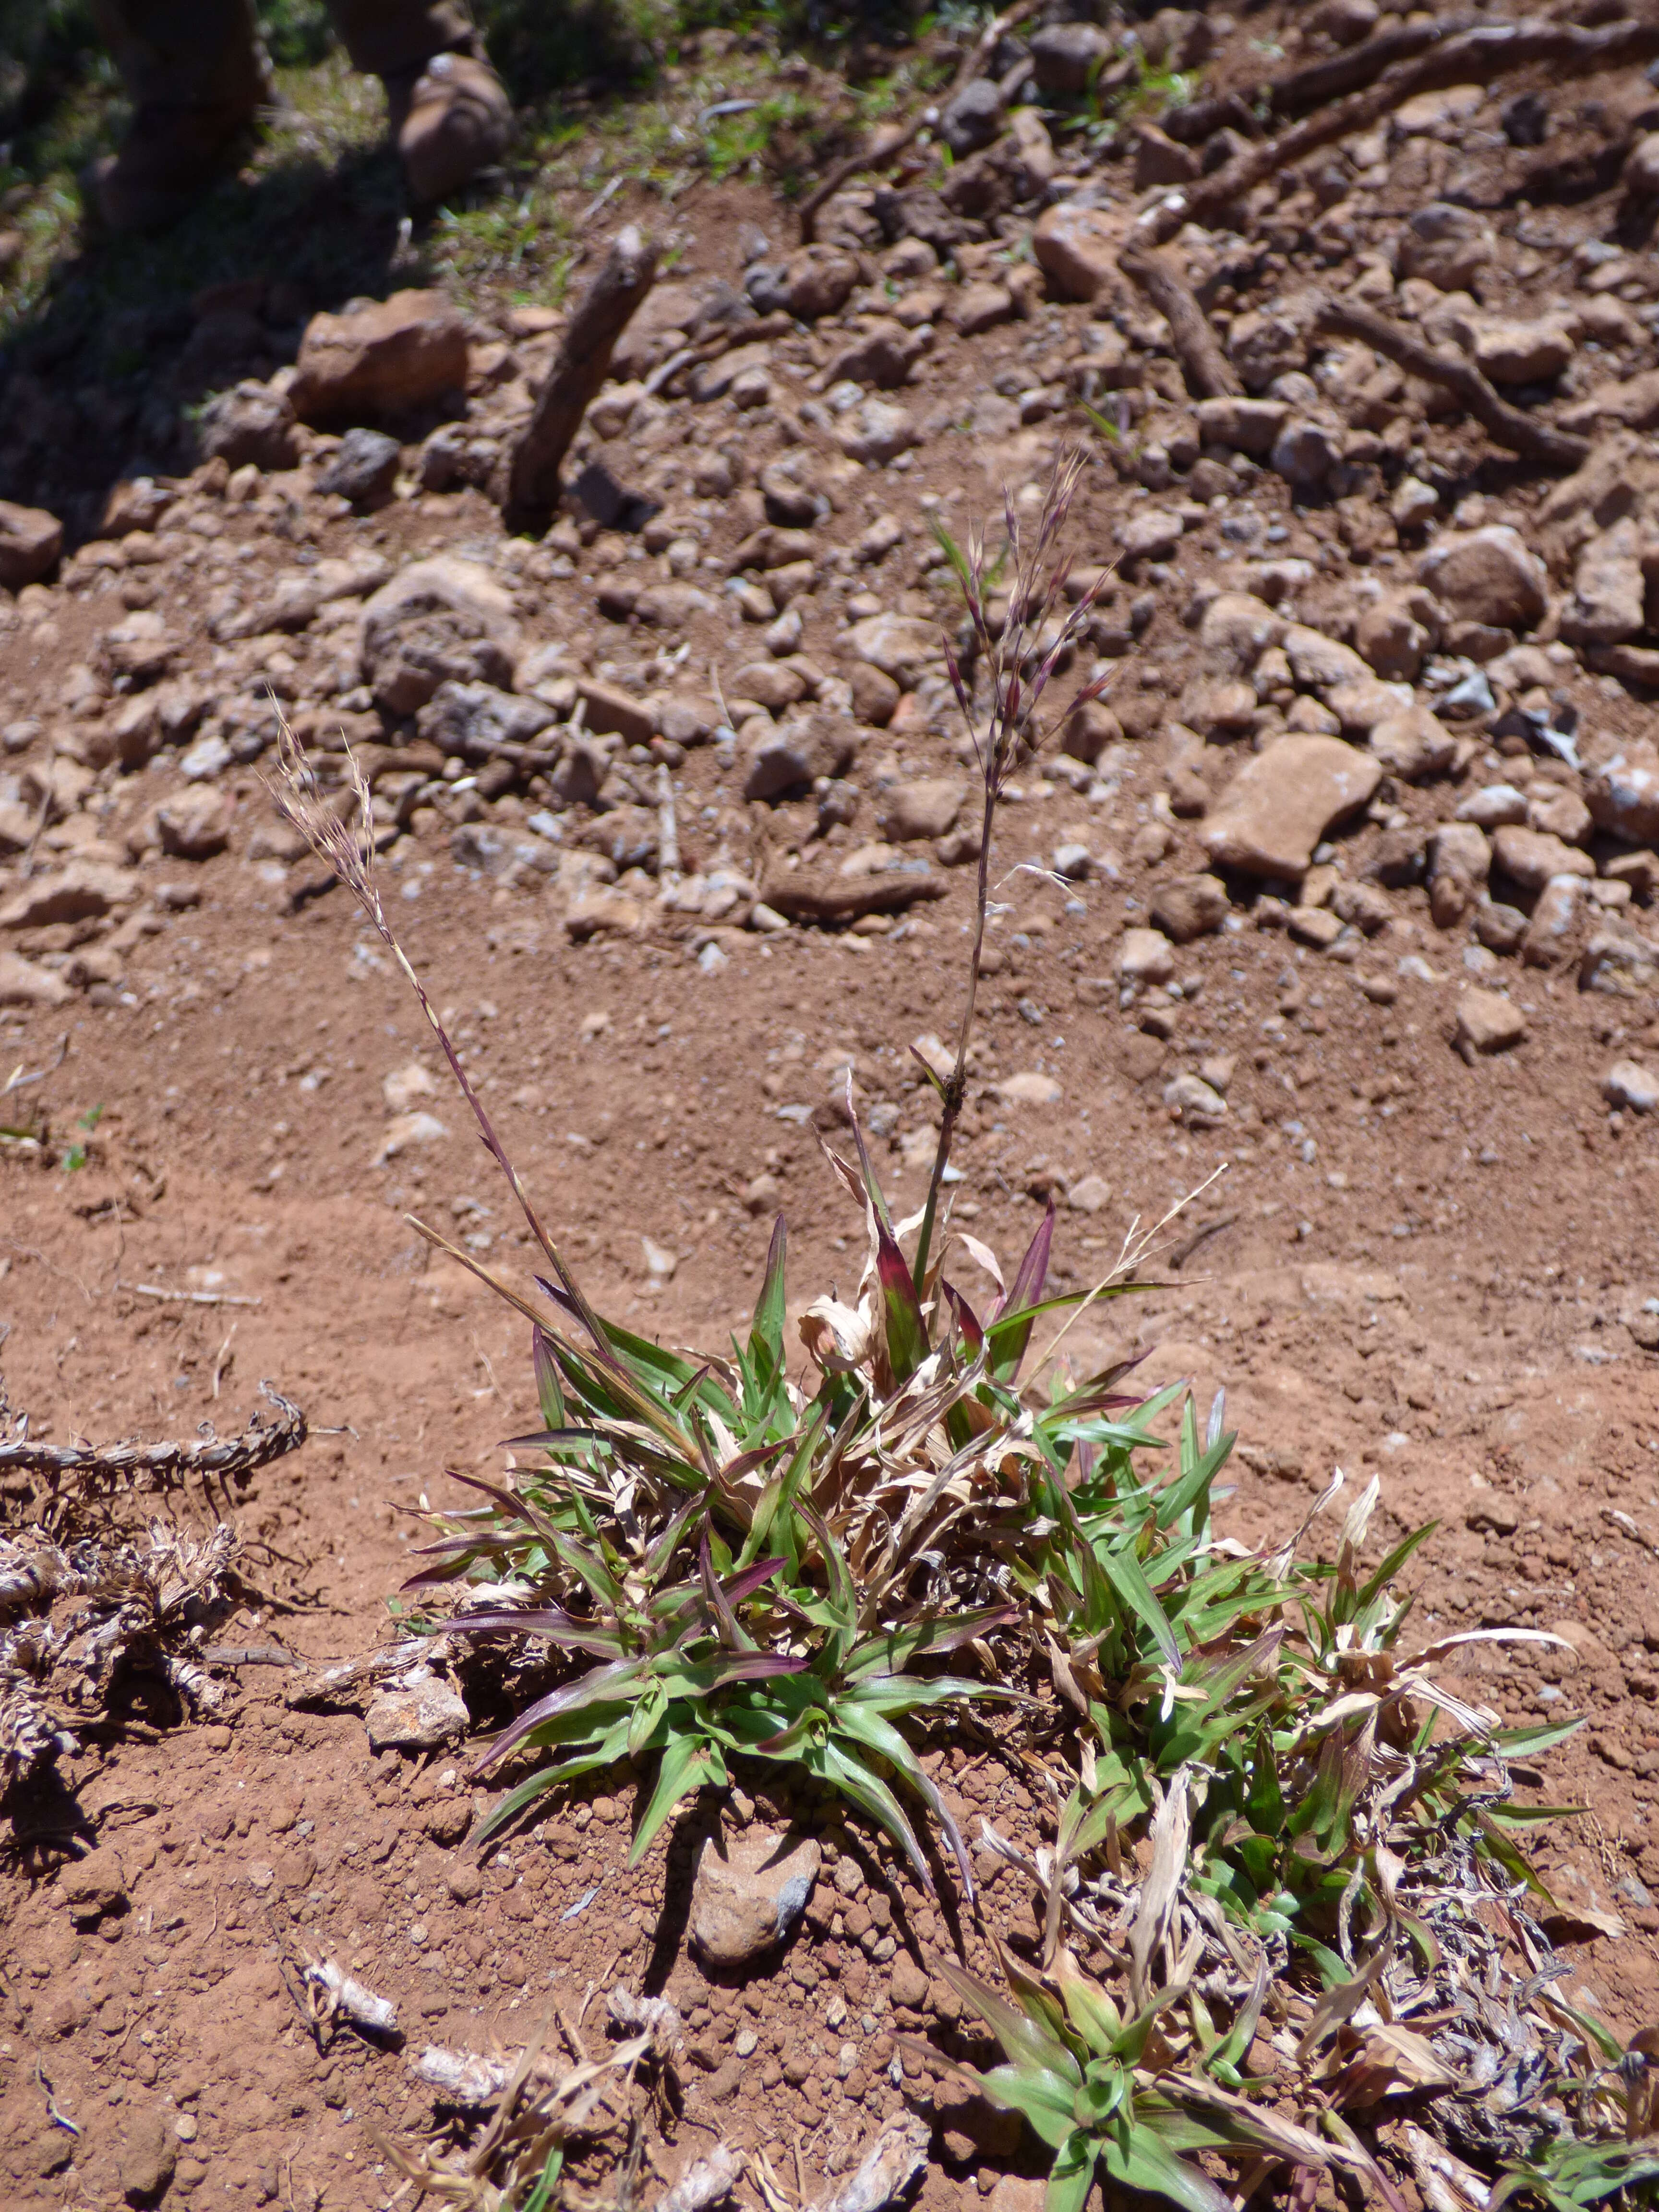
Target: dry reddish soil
1423,1268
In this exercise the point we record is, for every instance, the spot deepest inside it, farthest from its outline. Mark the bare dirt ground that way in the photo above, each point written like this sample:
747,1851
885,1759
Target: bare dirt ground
1427,1265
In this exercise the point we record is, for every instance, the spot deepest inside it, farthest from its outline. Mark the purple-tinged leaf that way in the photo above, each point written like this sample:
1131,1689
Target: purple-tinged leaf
907,1332
1026,1289
551,1621
517,1506
967,1320
731,1634
601,1685
746,1583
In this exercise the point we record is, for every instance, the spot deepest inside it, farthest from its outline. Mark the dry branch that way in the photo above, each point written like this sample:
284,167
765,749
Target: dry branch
881,154
1507,426
1473,56
1310,88
580,368
1209,373
101,1469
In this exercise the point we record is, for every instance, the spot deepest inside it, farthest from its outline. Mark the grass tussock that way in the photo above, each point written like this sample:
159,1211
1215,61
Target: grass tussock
1287,1894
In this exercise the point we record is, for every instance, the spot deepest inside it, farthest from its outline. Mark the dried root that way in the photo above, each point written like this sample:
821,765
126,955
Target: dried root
85,1471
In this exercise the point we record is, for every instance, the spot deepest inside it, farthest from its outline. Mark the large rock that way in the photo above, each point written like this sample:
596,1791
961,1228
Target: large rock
81,890
901,645
1077,249
249,425
23,984
30,542
437,621
383,357
1488,575
1623,795
1317,660
748,1895
926,807
1413,745
1065,57
1520,353
194,823
1533,857
1247,426
1447,246
472,718
1281,803
1608,589
797,753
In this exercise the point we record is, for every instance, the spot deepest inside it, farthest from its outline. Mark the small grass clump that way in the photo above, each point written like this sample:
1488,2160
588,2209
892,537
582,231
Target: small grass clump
1286,1896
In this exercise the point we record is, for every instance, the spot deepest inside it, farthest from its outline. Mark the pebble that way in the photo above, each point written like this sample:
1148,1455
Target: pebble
1629,1085
380,357
417,1712
1488,1021
748,1895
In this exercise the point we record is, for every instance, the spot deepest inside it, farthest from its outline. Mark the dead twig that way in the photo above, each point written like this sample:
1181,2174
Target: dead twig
884,151
580,367
1479,56
186,1298
1209,373
1505,425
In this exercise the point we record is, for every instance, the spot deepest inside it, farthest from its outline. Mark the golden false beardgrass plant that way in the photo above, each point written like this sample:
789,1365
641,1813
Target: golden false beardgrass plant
719,1560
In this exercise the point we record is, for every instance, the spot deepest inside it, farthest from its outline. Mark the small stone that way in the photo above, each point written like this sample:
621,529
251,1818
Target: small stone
1089,1193
1282,803
364,469
1619,965
974,119
1494,808
1077,249
785,755
1390,637
1493,1514
134,503
1318,661
30,542
416,1712
1145,956
1089,730
1487,575
1305,453
207,758
1522,352
1459,862
902,646
1623,795
438,620
249,426
383,357
194,824
472,719
1246,426
926,807
1313,924
1192,1101
1608,589
1632,1087
1414,504
748,1895
1067,56
24,984
1499,927
1187,907
1028,1088
1150,533
1488,1021
148,2154
878,432
1446,245
93,1885
1161,159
